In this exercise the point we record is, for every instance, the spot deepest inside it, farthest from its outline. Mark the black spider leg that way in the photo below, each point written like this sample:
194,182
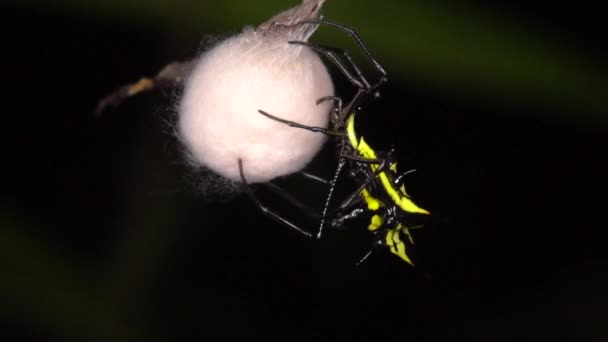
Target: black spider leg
371,250
332,187
336,113
357,208
265,210
326,131
338,123
400,178
297,125
353,212
314,177
359,41
354,204
330,53
363,86
378,243
349,200
381,166
292,200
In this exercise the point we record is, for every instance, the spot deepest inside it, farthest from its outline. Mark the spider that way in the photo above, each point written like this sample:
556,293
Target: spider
380,189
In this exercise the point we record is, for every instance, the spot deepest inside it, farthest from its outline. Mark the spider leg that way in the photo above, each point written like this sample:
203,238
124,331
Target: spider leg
407,231
331,53
363,86
169,76
297,125
334,180
337,116
399,179
376,244
382,165
268,212
354,212
359,41
314,177
332,187
371,250
292,200
363,159
353,196
357,79
337,101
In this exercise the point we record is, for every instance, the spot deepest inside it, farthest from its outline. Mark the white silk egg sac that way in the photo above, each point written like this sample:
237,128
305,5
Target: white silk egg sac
218,116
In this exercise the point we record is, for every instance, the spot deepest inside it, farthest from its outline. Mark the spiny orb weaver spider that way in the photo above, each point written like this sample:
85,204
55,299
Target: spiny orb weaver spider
380,187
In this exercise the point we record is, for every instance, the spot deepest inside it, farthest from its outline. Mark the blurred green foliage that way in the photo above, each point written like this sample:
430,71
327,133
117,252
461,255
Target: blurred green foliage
45,287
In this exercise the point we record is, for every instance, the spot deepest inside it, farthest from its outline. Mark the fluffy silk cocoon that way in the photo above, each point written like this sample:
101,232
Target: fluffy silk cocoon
218,118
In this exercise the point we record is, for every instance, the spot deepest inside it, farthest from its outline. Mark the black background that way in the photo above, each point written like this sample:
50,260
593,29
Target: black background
515,247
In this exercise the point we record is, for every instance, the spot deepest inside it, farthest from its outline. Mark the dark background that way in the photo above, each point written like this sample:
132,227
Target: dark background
104,234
